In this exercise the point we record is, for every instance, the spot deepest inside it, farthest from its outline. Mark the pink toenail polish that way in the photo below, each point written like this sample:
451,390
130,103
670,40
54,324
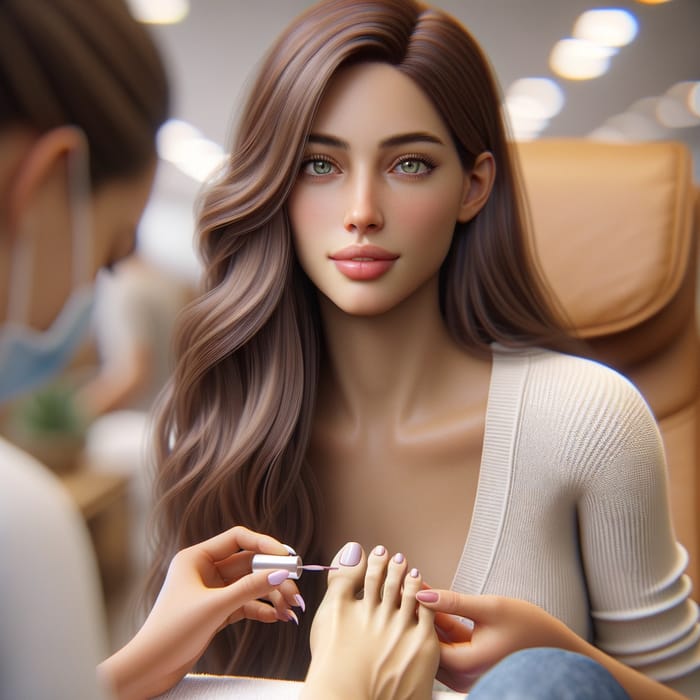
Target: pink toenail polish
300,602
398,558
379,551
351,554
414,573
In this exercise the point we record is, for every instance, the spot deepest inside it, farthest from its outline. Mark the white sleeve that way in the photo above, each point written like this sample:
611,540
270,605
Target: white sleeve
50,601
635,569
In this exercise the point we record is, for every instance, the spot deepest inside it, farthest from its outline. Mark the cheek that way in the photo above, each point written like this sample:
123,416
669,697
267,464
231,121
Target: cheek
311,221
428,218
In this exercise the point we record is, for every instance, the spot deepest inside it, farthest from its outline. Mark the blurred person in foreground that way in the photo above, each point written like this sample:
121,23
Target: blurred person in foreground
83,92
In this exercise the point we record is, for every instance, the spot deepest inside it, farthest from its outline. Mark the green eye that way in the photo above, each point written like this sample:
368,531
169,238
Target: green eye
318,167
411,166
322,167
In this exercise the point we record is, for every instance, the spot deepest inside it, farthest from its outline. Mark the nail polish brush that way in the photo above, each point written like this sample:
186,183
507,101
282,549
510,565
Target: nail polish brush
292,563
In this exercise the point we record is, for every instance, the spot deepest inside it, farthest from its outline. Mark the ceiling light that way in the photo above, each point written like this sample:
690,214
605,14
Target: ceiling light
159,11
653,2
607,27
539,98
687,92
636,126
679,107
580,59
185,147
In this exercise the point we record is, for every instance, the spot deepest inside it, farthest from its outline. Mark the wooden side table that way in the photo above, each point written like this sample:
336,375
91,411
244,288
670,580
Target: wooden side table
102,498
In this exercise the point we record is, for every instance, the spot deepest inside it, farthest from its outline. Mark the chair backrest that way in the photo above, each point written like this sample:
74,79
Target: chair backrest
615,229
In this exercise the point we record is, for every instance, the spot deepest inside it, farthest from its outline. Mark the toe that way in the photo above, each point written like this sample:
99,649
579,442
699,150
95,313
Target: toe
394,581
376,573
348,578
412,583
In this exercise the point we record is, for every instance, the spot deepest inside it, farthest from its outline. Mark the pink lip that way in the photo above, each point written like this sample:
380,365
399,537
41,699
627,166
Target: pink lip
363,263
371,252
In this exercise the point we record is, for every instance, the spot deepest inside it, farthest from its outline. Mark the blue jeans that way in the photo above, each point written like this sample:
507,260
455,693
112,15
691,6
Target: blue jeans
547,674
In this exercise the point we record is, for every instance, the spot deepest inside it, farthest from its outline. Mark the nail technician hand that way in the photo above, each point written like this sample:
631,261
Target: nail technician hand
208,586
501,627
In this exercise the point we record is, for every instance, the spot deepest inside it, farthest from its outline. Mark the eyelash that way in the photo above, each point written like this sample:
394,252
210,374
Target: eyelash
429,164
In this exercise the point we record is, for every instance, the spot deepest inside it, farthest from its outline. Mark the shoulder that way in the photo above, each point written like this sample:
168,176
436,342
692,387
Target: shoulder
32,499
582,411
571,379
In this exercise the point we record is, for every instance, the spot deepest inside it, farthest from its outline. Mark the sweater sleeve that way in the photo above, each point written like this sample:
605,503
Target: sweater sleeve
639,595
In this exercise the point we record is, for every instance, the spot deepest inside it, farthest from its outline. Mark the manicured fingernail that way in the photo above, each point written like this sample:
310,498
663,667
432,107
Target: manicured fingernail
379,551
398,558
293,617
300,602
351,554
289,549
276,577
427,596
413,573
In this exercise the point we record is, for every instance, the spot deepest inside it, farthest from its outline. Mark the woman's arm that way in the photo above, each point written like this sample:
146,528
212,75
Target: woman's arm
505,625
208,586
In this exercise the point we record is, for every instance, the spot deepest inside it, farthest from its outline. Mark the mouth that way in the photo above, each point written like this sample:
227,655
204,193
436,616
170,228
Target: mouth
363,254
363,264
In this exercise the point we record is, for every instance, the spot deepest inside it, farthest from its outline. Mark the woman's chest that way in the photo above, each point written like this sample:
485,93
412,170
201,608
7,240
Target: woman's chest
416,499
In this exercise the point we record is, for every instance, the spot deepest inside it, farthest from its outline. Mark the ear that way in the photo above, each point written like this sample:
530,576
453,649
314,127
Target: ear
478,183
47,153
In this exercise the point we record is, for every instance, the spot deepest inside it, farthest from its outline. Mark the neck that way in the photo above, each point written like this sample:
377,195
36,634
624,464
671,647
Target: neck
383,367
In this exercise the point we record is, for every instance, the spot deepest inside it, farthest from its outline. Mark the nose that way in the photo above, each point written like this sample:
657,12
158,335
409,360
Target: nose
364,213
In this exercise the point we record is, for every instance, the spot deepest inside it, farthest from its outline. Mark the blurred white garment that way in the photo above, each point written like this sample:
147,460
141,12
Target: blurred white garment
51,608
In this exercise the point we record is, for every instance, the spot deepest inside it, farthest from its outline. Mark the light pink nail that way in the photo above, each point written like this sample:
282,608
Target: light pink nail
293,617
414,573
300,602
276,577
379,551
351,555
398,558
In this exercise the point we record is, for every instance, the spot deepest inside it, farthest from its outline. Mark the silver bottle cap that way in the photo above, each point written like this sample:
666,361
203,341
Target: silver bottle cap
292,564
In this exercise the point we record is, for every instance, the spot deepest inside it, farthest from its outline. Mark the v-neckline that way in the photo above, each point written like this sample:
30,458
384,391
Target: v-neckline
503,409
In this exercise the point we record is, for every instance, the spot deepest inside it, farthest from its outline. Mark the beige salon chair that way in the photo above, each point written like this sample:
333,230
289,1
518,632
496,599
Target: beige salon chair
616,228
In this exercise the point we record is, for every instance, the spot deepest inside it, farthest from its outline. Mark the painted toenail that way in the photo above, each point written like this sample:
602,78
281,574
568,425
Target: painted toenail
414,573
300,602
351,555
379,551
398,558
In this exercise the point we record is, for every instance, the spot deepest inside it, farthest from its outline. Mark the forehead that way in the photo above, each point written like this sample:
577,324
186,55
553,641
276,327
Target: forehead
375,100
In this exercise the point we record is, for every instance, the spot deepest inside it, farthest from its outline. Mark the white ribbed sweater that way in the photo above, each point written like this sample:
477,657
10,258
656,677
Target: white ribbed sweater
572,512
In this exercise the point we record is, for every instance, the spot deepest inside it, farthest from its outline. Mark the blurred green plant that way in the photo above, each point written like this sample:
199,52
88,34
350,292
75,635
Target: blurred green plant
50,411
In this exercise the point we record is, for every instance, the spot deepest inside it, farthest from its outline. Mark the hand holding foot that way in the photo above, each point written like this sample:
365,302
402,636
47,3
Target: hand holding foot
368,639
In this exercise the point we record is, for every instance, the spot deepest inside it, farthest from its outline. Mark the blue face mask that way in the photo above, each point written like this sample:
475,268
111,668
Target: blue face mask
29,357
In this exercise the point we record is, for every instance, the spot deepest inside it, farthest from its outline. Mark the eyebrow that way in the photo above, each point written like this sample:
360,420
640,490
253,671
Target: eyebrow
398,140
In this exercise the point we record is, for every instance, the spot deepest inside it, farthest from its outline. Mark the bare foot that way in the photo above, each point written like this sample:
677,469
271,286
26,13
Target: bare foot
369,640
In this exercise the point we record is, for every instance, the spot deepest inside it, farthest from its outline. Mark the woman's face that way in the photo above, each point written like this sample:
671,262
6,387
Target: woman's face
374,207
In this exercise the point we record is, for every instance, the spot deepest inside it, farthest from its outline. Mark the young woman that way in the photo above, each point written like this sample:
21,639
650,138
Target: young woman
374,358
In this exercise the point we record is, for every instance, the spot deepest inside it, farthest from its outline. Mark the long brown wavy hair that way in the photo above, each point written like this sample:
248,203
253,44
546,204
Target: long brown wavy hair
234,428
